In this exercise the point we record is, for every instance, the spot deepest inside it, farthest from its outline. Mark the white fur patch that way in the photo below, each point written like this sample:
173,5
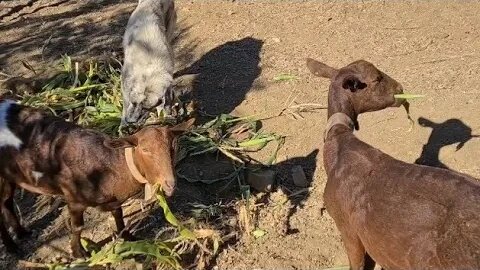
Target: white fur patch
7,138
37,175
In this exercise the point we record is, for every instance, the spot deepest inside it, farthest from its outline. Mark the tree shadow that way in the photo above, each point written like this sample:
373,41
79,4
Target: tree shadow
452,131
225,75
71,32
19,8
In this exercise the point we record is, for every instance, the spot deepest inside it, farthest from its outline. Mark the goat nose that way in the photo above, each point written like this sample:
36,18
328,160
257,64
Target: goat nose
169,187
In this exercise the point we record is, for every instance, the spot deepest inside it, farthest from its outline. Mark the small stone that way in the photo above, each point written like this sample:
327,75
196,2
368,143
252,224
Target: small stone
261,180
299,178
276,40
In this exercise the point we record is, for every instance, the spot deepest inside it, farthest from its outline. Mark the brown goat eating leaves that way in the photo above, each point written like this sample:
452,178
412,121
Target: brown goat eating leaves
45,154
401,215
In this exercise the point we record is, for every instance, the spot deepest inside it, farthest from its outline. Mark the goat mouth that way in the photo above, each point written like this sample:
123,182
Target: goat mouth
398,102
168,191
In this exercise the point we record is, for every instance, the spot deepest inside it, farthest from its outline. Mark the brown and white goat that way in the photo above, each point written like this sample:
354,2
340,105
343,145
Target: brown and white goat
45,154
401,215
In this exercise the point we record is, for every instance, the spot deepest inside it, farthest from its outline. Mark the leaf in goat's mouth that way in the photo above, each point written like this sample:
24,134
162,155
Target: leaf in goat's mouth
408,96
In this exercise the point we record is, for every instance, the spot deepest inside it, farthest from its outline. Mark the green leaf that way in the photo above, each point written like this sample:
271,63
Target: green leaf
245,191
408,96
167,212
273,157
257,233
259,143
284,77
216,245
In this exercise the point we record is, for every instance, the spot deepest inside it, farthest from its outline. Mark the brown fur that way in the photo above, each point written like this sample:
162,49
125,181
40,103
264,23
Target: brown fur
403,216
84,166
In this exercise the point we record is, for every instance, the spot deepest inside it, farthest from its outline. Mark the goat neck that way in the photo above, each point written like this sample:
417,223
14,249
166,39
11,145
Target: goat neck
340,112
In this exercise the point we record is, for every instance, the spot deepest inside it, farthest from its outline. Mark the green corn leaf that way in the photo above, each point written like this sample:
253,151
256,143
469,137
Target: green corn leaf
167,212
408,96
258,233
284,77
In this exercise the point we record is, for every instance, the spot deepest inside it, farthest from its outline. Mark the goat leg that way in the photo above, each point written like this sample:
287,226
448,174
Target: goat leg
120,224
7,239
8,212
355,251
76,219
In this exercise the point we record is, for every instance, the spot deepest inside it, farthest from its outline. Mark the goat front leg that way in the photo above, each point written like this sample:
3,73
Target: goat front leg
76,219
8,242
8,211
120,224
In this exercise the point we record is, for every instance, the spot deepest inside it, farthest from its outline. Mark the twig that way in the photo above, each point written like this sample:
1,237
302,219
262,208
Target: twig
402,28
5,74
45,44
26,264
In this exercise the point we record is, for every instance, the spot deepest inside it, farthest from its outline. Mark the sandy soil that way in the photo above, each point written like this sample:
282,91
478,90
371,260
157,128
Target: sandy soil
237,48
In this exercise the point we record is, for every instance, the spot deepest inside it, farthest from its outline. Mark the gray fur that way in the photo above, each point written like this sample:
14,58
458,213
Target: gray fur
147,74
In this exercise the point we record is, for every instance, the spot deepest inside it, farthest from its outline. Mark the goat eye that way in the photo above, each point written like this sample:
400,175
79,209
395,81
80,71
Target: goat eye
145,150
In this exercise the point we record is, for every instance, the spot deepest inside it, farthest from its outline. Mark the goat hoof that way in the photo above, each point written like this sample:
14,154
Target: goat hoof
80,253
23,233
128,236
15,251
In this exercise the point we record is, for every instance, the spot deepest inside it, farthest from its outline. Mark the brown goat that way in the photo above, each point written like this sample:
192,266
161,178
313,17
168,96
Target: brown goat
45,154
403,216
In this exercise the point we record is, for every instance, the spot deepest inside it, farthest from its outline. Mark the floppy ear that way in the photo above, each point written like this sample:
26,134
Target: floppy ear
125,142
353,83
320,69
182,127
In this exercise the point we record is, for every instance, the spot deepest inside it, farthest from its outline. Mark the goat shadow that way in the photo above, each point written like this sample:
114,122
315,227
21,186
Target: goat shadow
225,75
452,131
297,195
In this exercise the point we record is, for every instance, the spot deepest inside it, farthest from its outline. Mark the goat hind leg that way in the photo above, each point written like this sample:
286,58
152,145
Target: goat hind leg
359,259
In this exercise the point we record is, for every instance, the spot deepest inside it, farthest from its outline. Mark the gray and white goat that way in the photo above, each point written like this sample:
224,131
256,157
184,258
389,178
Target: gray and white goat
147,74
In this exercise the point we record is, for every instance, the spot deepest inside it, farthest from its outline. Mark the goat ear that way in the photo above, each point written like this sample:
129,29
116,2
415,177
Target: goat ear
320,69
182,127
424,122
125,142
353,83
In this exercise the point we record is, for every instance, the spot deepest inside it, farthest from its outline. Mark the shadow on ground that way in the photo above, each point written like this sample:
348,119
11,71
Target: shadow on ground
74,32
225,75
452,131
297,195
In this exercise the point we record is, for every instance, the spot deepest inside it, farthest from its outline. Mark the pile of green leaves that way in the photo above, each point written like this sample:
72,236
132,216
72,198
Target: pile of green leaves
88,94
229,135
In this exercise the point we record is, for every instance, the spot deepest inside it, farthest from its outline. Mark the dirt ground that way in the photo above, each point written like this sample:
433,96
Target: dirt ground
237,48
